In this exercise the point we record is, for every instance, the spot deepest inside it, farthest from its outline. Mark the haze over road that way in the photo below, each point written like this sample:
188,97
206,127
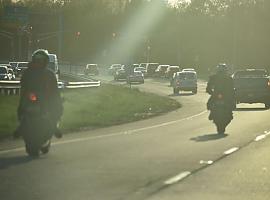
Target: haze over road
144,159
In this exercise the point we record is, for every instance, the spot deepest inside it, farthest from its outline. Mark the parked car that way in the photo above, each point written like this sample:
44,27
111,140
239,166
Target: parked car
10,71
140,69
91,69
21,67
185,81
5,73
143,65
14,66
160,71
252,86
136,77
113,68
151,68
120,74
53,65
171,70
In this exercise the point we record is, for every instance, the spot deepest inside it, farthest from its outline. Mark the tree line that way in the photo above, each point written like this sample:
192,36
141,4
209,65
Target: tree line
196,33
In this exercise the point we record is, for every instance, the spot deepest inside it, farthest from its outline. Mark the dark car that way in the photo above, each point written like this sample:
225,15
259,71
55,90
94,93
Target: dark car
136,77
252,86
120,74
21,67
151,68
91,69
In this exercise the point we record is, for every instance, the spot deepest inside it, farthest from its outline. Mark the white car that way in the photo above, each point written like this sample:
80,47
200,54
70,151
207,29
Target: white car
140,69
53,65
5,73
114,68
21,67
185,81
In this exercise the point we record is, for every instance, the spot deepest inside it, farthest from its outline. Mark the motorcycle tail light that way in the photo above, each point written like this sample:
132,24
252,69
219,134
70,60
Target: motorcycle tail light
33,97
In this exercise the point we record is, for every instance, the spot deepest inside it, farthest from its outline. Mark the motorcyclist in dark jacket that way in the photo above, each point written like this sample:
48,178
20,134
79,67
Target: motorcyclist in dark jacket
221,83
37,77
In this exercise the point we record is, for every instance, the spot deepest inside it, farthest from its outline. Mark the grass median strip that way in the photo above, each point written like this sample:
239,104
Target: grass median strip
95,107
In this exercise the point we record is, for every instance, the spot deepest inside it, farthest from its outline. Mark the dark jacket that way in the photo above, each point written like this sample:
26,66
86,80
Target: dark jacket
223,84
42,82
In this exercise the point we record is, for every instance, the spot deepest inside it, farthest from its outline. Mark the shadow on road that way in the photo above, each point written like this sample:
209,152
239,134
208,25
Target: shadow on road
209,137
250,109
13,161
181,94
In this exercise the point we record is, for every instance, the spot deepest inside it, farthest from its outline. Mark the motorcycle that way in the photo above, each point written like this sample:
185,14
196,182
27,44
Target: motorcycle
221,113
37,128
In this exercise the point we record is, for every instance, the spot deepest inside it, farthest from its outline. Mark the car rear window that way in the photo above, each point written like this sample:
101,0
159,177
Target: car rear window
22,65
187,76
251,74
3,70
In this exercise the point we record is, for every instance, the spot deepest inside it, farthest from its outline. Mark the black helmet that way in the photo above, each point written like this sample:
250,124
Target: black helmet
41,55
222,68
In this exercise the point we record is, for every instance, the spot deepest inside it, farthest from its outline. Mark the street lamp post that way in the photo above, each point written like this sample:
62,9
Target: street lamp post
148,53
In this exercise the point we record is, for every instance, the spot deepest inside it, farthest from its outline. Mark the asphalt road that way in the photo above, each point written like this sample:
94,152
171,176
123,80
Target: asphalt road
174,156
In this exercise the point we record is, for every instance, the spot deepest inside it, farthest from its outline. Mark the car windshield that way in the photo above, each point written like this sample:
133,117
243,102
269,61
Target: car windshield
3,70
186,76
22,65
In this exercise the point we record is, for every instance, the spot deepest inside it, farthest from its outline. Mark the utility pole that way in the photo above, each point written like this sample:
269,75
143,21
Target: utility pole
60,34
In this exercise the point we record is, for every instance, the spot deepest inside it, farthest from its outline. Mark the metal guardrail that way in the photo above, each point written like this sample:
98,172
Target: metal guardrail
13,87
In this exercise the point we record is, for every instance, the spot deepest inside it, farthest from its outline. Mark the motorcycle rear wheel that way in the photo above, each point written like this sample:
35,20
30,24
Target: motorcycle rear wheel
46,148
221,128
31,150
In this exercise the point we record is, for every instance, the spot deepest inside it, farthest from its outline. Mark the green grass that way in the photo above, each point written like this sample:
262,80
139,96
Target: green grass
8,114
95,108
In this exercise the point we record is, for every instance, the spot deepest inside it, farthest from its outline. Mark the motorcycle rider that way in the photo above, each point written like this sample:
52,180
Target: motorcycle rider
221,83
37,77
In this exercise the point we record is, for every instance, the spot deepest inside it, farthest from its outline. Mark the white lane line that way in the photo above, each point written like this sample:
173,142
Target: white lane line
208,162
260,137
232,150
129,132
177,178
12,150
267,133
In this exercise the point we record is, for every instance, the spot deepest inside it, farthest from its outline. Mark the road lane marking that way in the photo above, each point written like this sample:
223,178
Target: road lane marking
260,137
177,178
208,162
12,150
232,150
128,132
